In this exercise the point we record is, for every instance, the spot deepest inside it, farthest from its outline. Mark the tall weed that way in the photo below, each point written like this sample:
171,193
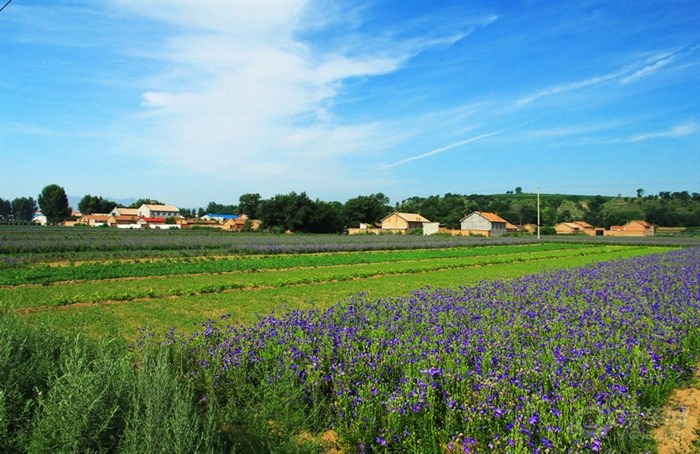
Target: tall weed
28,357
163,416
84,409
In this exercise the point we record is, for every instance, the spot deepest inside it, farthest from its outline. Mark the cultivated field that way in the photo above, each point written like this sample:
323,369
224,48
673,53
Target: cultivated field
376,344
106,282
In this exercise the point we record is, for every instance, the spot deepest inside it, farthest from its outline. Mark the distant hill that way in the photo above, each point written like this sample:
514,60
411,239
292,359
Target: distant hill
669,209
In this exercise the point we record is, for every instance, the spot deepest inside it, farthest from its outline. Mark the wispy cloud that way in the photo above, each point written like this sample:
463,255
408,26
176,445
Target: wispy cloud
567,87
440,150
239,91
656,64
27,129
680,130
629,74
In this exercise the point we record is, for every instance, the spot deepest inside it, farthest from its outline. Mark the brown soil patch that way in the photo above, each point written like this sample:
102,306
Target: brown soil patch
680,421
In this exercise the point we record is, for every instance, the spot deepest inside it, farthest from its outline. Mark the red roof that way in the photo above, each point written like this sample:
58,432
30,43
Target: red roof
155,220
493,217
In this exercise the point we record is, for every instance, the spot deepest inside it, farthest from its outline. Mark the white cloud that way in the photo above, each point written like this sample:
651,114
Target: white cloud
624,76
648,69
239,96
680,130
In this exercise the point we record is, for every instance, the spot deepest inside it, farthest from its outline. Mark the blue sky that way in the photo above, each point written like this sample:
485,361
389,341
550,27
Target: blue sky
195,101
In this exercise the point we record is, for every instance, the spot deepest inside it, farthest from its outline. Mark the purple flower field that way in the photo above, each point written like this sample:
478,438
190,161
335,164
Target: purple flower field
570,361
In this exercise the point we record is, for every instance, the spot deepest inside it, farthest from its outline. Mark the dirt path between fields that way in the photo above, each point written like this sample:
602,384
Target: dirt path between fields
681,421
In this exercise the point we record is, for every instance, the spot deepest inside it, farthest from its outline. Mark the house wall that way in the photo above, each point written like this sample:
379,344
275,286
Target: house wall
639,229
146,212
394,222
431,228
476,222
498,228
563,229
622,233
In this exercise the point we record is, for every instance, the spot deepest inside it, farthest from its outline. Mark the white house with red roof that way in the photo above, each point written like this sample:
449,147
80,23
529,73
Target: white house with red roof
483,223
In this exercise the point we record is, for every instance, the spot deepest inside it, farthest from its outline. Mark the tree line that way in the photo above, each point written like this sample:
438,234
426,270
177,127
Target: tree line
300,213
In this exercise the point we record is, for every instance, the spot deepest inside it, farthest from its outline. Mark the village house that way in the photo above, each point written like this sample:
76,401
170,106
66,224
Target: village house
576,227
220,218
632,228
158,211
124,221
95,220
156,223
482,223
403,222
117,211
238,224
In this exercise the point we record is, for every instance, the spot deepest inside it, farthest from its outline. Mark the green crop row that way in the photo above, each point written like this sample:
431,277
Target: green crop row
175,286
45,274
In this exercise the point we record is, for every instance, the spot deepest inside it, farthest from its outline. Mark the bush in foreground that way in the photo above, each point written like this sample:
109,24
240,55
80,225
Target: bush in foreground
64,394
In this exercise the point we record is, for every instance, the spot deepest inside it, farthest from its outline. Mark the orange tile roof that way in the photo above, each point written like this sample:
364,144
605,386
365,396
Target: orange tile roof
643,223
493,217
584,224
409,217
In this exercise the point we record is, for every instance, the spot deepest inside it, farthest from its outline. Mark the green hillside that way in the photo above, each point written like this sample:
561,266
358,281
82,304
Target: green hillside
667,209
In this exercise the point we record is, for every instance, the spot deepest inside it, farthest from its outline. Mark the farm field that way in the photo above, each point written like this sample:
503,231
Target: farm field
118,296
411,345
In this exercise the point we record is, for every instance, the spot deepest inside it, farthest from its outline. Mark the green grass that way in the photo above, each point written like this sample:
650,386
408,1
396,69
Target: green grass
119,308
71,385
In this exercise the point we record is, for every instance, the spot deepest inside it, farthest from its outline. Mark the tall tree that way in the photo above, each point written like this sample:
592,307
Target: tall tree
93,204
287,212
366,208
249,205
325,217
594,213
54,204
5,209
24,208
218,208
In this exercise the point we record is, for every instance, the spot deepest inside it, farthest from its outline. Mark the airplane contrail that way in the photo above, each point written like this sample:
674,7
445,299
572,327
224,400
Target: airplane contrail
439,150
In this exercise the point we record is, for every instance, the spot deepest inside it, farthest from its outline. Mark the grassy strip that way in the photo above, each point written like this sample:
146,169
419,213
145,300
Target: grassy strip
173,286
111,270
188,311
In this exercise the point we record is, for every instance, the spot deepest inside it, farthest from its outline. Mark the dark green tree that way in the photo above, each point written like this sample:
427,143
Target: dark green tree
5,209
452,210
286,212
144,201
325,217
564,216
218,208
91,204
528,214
411,205
249,204
366,208
23,208
54,204
594,213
